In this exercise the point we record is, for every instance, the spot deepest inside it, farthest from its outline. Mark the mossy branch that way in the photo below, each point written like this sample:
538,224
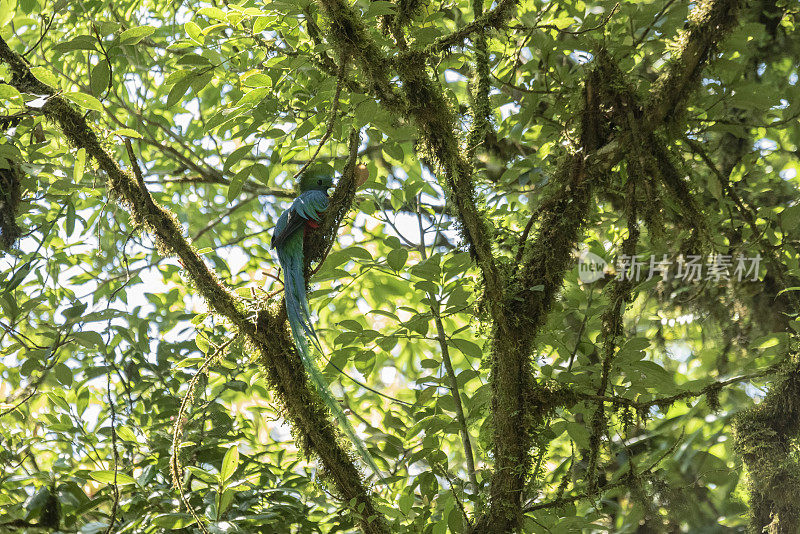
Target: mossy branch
764,437
709,23
317,244
422,100
495,18
284,371
481,109
546,259
612,321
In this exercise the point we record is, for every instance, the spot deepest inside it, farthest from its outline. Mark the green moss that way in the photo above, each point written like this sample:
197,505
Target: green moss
709,22
765,437
10,193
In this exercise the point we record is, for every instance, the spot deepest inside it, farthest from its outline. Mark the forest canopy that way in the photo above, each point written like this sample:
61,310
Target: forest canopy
555,284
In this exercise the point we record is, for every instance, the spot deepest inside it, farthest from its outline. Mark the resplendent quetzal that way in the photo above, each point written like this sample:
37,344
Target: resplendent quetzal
302,216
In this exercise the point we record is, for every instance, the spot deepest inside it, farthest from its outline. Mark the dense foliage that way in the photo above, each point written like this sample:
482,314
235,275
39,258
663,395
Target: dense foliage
147,380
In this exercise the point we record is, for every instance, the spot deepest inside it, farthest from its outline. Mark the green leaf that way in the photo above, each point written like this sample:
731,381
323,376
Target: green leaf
229,464
237,182
378,8
428,269
194,32
364,362
89,339
418,324
201,474
406,502
134,35
633,349
194,60
359,252
253,97
45,76
455,520
81,42
397,258
385,313
74,311
125,433
128,132
394,150
80,162
57,398
260,24
63,374
69,225
100,78
655,376
10,94
579,433
236,156
108,477
305,128
212,13
387,343
178,90
173,521
202,342
467,347
790,217
83,100
37,501
200,80
257,80
225,502
351,324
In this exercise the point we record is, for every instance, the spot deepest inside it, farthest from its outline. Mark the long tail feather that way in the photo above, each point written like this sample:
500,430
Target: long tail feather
299,315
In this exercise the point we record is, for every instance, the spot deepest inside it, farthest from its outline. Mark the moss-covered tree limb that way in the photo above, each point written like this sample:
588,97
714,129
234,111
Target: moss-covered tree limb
709,23
495,18
350,38
518,404
421,100
549,255
480,109
765,438
611,320
318,243
270,339
765,435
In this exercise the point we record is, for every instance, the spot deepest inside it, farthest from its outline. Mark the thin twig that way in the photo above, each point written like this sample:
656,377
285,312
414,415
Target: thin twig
570,32
137,172
176,469
222,216
42,36
448,365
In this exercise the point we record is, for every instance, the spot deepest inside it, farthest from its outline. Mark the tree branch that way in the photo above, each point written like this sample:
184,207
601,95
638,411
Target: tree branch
270,337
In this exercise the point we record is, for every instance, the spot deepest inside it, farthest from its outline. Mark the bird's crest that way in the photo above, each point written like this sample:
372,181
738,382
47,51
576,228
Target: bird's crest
319,176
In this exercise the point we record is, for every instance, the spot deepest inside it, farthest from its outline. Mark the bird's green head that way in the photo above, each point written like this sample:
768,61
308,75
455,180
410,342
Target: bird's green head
316,177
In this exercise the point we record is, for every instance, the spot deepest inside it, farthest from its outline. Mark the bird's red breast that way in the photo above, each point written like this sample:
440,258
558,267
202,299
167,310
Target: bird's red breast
310,225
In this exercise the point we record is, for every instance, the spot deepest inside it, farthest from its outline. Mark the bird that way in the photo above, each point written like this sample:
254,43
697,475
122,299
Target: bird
303,216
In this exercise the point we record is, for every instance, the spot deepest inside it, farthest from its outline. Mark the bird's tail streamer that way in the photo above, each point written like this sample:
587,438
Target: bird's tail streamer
299,316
